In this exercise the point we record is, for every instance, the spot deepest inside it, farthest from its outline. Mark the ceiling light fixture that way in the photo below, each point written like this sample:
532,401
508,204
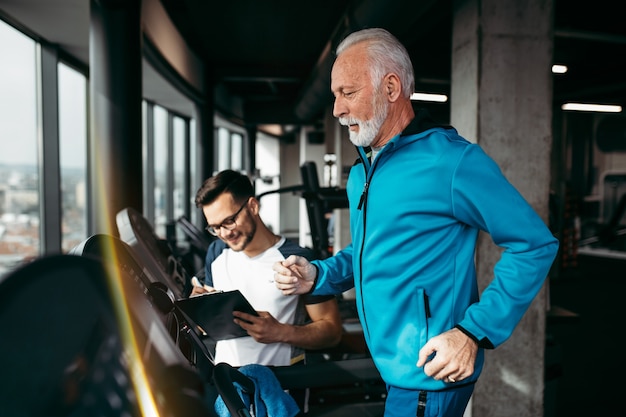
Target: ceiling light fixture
603,108
439,98
559,69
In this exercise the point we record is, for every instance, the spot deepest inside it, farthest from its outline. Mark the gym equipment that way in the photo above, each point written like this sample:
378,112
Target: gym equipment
81,339
155,254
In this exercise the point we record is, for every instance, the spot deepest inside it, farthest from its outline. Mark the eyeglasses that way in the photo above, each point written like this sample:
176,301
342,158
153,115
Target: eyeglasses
228,224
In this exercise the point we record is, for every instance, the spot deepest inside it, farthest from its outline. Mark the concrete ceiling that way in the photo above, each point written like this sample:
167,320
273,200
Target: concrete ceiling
272,54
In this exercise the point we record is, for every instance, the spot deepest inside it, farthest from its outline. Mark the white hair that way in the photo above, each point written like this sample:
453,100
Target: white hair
386,54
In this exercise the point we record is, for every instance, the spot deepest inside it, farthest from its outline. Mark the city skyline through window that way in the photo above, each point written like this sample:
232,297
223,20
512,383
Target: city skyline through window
19,173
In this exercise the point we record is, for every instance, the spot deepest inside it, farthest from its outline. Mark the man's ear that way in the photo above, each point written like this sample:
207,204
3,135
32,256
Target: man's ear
392,86
254,205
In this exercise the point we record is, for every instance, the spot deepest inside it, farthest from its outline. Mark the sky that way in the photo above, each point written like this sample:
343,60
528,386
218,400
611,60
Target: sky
18,92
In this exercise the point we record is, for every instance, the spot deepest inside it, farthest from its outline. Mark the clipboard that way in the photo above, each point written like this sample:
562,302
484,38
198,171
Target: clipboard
212,313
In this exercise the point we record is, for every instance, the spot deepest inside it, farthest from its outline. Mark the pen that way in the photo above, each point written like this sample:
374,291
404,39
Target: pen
196,283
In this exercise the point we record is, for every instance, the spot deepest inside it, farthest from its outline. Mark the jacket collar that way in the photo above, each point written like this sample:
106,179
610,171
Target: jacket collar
421,122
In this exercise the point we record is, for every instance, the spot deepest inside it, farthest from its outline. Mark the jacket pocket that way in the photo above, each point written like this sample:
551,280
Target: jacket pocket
423,314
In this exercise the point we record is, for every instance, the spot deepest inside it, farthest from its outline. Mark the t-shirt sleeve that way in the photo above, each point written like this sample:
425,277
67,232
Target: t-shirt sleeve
316,299
215,249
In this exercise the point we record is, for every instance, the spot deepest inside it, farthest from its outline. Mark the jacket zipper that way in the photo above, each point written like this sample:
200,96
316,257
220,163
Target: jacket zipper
363,196
363,206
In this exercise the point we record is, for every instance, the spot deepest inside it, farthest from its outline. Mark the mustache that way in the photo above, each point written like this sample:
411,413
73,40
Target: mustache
347,121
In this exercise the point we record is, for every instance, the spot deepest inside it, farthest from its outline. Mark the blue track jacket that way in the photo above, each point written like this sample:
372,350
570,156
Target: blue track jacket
415,214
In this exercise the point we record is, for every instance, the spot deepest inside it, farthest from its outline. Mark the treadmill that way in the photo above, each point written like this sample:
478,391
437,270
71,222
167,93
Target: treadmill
114,251
155,254
67,349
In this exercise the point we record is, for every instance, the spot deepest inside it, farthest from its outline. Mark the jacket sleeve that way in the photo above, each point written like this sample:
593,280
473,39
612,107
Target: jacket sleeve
484,198
334,273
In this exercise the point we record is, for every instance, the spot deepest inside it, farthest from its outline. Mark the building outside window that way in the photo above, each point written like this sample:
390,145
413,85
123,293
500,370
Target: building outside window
19,174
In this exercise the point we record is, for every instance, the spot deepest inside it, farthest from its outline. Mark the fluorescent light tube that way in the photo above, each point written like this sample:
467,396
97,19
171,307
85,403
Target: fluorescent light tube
439,98
606,108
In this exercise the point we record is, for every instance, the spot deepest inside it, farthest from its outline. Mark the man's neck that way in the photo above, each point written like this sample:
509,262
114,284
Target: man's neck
263,240
398,118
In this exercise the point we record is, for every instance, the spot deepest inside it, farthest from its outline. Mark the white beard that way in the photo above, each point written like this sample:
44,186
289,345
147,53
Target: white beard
368,129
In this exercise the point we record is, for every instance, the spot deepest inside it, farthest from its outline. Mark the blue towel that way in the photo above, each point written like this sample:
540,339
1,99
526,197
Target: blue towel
270,400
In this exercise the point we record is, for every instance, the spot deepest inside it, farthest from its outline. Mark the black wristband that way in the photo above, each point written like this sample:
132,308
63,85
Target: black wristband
484,343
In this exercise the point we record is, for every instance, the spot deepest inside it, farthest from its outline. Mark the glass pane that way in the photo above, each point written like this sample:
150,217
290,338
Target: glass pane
72,149
193,168
160,170
267,150
148,195
179,167
19,178
223,150
236,155
181,194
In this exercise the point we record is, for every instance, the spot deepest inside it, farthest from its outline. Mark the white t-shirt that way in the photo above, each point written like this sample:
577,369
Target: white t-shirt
228,270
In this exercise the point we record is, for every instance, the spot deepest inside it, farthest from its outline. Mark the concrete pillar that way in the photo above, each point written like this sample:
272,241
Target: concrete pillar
501,98
115,169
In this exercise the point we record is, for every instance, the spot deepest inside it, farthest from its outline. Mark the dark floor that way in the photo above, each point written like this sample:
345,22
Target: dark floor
585,358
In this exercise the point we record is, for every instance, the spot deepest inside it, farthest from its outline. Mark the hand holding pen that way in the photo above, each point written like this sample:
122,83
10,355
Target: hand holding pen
199,288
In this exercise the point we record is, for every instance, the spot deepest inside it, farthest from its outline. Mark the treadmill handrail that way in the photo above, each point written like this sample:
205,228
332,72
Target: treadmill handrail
294,189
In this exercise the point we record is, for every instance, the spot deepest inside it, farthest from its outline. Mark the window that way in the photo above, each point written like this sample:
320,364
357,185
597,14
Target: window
236,152
195,180
268,166
160,170
179,138
72,155
168,163
19,173
229,149
44,143
223,149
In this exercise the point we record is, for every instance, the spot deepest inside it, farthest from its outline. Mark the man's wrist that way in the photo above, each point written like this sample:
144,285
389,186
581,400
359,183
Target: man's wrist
483,343
317,272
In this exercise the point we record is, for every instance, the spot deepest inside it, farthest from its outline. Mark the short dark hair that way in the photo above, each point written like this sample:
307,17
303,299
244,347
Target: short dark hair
227,181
